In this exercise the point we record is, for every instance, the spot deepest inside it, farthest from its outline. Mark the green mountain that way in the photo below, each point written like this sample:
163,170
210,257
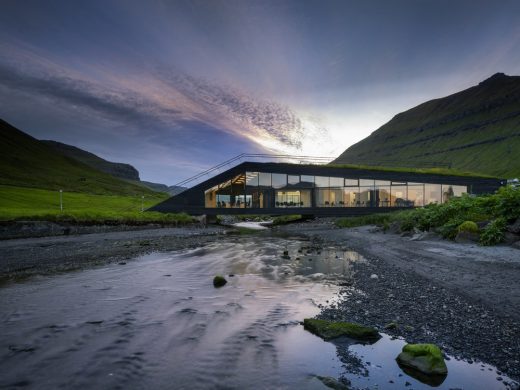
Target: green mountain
27,162
475,130
120,170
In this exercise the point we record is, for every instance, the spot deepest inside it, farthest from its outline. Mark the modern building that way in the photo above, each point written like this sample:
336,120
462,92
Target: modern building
282,188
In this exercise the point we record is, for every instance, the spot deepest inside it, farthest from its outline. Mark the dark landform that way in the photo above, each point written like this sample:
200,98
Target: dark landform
475,130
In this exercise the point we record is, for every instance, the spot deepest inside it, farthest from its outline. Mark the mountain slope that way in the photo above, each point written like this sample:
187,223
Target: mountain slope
120,170
27,162
476,130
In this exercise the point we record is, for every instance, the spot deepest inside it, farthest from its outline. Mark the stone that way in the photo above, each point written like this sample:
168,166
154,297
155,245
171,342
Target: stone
391,325
329,330
511,238
467,237
426,358
219,281
374,276
333,383
515,227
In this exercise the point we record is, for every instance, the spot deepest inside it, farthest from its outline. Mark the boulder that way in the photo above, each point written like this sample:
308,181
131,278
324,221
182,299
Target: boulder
467,237
426,358
219,281
511,238
329,330
333,383
515,227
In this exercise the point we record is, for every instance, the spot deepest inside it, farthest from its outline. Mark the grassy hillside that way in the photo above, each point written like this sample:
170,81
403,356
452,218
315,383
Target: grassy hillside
37,204
476,130
27,162
120,170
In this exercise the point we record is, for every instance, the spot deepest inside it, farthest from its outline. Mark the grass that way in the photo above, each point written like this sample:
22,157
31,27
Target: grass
22,203
27,162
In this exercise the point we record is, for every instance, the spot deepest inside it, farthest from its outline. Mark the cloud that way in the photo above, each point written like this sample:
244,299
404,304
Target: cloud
162,98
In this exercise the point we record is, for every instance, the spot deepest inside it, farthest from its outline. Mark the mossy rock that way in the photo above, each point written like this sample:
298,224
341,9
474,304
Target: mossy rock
329,330
333,383
426,358
468,226
219,281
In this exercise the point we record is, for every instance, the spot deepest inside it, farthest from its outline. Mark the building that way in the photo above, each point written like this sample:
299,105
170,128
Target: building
283,188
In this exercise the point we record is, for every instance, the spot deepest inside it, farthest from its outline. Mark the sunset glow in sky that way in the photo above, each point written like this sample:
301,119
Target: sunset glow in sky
174,87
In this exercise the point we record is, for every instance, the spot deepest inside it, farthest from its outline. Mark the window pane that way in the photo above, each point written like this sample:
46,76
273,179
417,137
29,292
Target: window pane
307,181
366,182
321,181
279,180
399,196
450,191
336,197
336,182
264,179
350,196
351,182
252,179
293,179
382,183
416,195
322,197
432,193
383,196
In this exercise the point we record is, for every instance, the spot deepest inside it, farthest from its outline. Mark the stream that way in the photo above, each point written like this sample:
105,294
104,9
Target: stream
157,322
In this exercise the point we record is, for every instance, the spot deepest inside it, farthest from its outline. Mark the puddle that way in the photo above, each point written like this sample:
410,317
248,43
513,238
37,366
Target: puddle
158,322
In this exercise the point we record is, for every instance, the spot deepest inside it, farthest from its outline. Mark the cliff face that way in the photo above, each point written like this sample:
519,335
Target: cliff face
476,130
120,170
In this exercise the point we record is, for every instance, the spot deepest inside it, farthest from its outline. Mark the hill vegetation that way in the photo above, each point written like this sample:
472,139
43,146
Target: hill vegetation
120,170
475,130
27,162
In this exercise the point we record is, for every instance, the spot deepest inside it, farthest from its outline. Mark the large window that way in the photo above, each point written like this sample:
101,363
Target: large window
268,190
432,193
321,181
279,180
416,194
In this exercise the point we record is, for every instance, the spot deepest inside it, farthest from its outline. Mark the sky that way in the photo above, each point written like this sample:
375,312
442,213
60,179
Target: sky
176,87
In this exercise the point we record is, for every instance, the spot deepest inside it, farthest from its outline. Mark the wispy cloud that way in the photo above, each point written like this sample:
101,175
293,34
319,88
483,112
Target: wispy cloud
162,97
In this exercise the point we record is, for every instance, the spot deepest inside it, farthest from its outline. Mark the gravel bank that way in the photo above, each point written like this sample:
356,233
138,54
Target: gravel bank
463,297
21,258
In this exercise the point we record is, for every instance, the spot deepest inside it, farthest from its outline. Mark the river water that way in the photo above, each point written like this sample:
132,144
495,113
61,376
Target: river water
157,322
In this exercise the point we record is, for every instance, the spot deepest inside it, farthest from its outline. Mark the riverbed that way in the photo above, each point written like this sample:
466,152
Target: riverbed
156,321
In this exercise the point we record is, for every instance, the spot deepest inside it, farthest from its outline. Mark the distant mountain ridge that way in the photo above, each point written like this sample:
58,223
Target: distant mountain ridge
27,162
120,170
475,130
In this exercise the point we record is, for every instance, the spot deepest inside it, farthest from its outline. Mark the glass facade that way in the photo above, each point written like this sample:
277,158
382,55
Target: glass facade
273,190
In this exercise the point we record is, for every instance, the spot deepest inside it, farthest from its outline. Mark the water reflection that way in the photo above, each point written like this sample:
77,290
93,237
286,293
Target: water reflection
158,323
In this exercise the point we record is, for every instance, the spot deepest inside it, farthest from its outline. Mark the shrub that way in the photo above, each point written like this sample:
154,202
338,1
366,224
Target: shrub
468,226
493,233
450,229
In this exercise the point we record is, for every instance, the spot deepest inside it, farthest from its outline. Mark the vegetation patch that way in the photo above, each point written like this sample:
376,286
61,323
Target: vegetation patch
22,203
450,218
329,330
285,219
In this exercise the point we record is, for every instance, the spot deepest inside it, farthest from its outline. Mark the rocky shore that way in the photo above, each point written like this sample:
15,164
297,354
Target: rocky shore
25,257
462,297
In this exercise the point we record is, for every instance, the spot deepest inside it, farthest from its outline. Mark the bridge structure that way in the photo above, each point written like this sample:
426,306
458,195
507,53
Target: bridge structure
310,185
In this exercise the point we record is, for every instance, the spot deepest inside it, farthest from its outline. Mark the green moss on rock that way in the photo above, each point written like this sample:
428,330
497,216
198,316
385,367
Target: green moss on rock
468,226
219,281
426,358
329,330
